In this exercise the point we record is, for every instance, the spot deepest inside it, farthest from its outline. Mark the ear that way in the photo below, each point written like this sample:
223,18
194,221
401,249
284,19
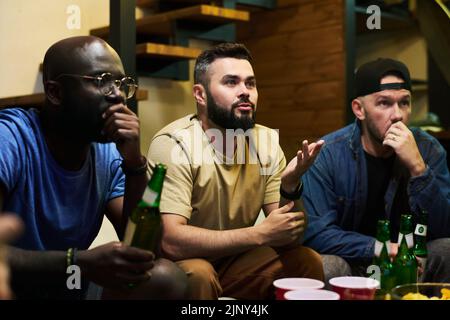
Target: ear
53,92
358,109
199,94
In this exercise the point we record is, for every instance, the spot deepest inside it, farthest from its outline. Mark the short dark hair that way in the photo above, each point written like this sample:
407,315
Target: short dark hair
223,50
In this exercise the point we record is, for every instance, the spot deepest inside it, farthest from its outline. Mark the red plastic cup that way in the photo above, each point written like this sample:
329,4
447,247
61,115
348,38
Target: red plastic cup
287,284
311,294
354,288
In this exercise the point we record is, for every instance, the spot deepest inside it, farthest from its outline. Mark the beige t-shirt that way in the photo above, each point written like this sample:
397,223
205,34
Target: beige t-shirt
212,190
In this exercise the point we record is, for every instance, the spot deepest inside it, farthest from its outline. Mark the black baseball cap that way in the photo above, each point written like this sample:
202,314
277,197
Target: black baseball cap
369,75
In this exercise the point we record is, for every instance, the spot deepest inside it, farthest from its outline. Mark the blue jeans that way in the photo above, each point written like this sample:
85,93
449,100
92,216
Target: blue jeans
436,270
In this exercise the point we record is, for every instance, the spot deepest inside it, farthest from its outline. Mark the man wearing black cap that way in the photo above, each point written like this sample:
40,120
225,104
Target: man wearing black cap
377,168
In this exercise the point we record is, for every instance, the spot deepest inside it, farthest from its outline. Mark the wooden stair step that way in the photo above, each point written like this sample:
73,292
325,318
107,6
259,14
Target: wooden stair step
161,23
157,50
146,3
250,5
153,3
38,99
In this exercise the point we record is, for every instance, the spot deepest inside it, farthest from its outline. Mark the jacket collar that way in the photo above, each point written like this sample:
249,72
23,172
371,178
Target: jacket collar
354,140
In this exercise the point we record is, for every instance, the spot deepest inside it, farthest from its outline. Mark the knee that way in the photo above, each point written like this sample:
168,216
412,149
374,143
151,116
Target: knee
199,271
312,257
168,280
440,248
335,266
304,262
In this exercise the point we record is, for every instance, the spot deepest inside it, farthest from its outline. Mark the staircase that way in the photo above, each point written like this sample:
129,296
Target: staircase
163,34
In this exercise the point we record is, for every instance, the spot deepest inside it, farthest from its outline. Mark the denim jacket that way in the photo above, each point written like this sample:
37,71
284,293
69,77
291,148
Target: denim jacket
335,193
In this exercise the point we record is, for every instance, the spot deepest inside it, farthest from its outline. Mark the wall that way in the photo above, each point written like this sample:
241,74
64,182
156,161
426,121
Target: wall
299,61
28,28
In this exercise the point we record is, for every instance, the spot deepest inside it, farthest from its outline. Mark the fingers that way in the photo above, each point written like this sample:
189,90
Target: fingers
397,131
399,125
119,108
121,126
315,147
309,151
134,261
10,227
304,153
286,208
136,254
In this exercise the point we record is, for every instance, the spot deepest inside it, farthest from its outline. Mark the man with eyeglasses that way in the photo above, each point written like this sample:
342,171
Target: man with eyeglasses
66,166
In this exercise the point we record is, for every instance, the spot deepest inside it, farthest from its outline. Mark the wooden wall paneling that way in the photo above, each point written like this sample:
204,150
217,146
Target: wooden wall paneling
299,60
311,15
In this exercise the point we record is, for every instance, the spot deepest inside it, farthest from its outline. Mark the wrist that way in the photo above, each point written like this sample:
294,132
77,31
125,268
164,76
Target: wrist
418,169
290,185
135,167
134,162
259,235
81,262
292,194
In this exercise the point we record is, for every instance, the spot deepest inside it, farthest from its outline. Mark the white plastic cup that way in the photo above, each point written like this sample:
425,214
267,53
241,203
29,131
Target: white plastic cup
311,294
288,284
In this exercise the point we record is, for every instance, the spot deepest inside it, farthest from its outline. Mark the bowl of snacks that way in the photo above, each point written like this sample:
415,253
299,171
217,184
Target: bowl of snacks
421,291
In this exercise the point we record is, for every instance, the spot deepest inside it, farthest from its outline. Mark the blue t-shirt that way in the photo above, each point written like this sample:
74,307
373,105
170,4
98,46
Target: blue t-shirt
60,208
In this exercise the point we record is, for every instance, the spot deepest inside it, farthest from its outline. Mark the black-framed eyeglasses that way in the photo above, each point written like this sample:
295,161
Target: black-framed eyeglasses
106,83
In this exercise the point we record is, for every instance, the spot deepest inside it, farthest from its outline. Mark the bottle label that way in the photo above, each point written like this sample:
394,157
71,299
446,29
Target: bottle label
409,239
129,232
421,230
378,248
149,196
388,247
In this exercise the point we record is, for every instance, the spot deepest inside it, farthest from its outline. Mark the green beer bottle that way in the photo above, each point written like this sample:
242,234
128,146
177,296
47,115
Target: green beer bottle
420,246
405,263
144,225
382,258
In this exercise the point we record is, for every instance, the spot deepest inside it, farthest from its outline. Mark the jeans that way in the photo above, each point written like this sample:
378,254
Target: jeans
436,270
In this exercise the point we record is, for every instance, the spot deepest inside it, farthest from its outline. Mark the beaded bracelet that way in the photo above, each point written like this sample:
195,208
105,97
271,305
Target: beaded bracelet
71,257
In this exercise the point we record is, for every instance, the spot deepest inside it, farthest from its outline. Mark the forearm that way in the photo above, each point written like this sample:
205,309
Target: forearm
189,242
335,241
37,267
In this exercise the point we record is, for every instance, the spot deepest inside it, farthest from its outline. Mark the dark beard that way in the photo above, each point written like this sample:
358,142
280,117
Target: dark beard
373,135
228,119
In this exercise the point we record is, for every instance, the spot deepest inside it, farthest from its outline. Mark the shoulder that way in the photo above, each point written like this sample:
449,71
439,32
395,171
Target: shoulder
422,136
426,141
340,136
174,128
338,142
19,126
174,143
267,142
18,117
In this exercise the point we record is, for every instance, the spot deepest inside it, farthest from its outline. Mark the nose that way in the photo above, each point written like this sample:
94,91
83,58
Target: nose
116,95
396,114
243,91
